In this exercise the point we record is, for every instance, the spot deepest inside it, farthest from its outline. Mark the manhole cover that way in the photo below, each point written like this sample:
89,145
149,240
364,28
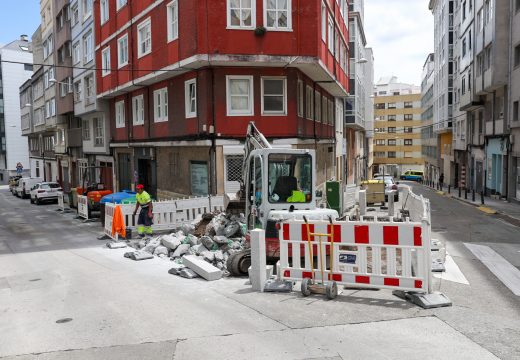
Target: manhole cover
62,321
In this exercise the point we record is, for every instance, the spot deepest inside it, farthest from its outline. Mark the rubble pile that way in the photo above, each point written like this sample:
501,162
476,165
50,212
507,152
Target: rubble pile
213,239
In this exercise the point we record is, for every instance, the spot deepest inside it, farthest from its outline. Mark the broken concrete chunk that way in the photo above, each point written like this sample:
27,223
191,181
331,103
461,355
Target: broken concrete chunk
116,245
219,256
181,250
207,242
188,273
209,256
221,240
138,255
187,229
161,250
232,229
202,268
170,241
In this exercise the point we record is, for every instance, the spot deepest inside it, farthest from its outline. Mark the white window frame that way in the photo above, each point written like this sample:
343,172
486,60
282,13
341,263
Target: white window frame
78,87
86,14
141,26
85,125
160,109
248,112
105,61
99,131
331,30
88,44
190,98
75,14
120,114
120,4
172,17
138,110
324,22
104,11
120,41
90,92
76,53
289,17
309,100
284,110
301,97
317,101
238,27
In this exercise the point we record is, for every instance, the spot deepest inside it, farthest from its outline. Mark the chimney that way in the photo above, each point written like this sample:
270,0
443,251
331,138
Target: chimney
23,38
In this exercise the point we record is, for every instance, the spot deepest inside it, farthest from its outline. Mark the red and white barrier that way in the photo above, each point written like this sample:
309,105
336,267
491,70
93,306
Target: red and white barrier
83,206
391,255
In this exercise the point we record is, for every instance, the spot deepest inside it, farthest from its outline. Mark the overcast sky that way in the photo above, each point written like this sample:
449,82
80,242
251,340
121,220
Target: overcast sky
401,34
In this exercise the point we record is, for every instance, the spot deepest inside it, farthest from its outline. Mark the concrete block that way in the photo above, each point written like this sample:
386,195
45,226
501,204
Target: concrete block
391,203
258,260
181,250
116,245
202,268
170,241
362,202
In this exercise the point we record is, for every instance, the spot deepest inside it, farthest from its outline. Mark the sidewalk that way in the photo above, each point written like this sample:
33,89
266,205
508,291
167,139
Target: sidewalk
491,205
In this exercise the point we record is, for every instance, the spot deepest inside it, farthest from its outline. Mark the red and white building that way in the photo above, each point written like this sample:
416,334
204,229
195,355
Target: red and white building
184,78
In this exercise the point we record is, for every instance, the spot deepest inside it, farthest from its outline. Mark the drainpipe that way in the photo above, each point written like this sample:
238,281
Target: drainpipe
509,163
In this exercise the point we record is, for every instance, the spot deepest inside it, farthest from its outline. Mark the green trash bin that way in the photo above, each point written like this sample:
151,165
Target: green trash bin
333,191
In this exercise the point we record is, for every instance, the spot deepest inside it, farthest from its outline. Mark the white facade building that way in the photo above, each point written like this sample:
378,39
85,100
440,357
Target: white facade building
15,69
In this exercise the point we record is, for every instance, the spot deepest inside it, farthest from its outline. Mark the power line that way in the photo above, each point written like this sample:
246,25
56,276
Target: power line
421,126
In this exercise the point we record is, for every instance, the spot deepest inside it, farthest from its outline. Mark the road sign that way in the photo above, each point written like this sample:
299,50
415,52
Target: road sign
19,168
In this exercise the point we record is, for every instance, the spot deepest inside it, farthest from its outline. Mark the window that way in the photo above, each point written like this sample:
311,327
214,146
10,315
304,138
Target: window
120,114
517,6
173,20
300,99
392,117
324,110
323,22
88,48
75,14
99,132
160,105
190,95
391,106
480,21
517,55
77,91
381,118
241,13
277,14
391,154
138,110
89,89
331,35
408,130
239,90
310,103
463,47
48,47
120,4
331,113
317,100
86,129
87,8
52,104
103,9
65,87
408,142
392,142
380,106
122,51
274,95
144,38
488,11
380,142
391,130
76,55
105,61
408,117
379,154
408,105
515,112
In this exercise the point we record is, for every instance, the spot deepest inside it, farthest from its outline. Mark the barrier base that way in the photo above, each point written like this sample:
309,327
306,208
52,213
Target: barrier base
278,286
426,301
438,265
103,237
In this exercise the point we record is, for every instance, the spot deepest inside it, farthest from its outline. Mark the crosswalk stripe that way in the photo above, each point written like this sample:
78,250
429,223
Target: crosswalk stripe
500,267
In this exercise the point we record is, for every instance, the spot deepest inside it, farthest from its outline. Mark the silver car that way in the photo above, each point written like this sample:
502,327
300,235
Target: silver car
45,191
390,185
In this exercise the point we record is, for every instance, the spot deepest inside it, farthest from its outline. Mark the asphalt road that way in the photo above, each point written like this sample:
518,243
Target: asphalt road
64,296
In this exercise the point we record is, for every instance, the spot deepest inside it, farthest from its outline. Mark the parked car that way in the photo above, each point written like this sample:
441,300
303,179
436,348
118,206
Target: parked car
25,185
413,175
390,185
45,191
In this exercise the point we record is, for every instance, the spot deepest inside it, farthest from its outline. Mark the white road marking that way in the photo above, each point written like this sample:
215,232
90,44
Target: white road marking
503,270
452,272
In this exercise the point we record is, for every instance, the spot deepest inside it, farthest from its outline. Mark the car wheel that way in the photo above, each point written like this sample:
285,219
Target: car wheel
32,200
38,202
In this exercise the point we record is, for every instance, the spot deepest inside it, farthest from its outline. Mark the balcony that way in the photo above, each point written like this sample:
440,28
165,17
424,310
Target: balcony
74,137
354,121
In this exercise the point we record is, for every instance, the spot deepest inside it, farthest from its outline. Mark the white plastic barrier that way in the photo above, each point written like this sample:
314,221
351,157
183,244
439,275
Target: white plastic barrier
350,196
417,205
61,204
167,214
83,206
391,255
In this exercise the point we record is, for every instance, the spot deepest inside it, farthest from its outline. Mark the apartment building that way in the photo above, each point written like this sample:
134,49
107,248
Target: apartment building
183,80
92,131
15,69
397,133
514,101
358,105
430,146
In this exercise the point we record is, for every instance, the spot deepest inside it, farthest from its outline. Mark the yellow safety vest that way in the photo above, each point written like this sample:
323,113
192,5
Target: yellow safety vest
143,198
297,197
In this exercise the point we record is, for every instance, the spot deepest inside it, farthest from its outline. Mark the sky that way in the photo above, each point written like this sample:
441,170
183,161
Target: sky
18,17
401,35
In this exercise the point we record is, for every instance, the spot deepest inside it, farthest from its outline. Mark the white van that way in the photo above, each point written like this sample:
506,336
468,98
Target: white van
25,185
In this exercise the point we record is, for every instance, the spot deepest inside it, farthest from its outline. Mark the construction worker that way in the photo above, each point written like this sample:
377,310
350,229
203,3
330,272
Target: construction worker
145,220
297,197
